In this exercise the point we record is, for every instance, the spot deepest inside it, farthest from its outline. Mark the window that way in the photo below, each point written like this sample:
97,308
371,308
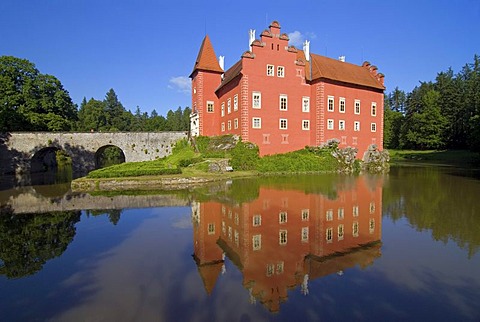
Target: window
223,126
211,228
355,229
282,236
341,125
270,269
304,234
284,138
257,242
229,106
223,109
374,127
306,104
305,214
209,107
374,109
356,126
372,207
235,102
235,123
355,211
371,225
329,124
282,217
236,237
305,125
283,124
280,71
270,70
280,268
331,104
230,233
257,100
341,106
256,123
340,232
229,125
329,235
257,220
357,107
224,228
329,215
283,102
341,213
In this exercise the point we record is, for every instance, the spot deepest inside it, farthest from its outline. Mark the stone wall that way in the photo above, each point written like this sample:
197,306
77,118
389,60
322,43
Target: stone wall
17,149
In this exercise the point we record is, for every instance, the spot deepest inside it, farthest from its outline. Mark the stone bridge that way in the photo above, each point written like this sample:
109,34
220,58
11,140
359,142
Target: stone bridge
19,150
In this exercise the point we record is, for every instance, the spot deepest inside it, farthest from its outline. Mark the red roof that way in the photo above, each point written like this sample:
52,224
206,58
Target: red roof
327,68
231,73
206,59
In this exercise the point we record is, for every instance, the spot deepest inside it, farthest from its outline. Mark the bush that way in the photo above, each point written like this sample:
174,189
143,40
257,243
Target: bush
245,156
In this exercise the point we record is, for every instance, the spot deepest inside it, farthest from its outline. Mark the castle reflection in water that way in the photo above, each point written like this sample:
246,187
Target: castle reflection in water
286,238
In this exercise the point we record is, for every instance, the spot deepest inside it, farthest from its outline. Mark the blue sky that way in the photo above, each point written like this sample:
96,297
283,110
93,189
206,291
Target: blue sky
145,49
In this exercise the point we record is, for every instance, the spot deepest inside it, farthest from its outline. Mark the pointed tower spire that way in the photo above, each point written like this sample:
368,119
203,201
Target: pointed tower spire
206,59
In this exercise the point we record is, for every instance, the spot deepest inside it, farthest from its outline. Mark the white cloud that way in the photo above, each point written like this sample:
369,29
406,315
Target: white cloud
181,84
297,38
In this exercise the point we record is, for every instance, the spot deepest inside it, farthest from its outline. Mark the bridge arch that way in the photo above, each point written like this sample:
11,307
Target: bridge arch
108,152
44,159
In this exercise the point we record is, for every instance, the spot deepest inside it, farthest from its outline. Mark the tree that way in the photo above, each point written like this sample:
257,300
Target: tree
424,124
92,116
31,101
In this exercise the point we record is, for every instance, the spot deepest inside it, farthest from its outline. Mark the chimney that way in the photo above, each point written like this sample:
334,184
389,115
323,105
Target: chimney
251,38
306,49
221,62
341,58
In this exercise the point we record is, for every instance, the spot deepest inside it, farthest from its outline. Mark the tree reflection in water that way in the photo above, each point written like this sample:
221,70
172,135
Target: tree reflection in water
28,241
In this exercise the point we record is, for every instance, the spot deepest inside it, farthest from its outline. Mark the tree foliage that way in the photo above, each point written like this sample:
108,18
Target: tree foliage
440,114
31,101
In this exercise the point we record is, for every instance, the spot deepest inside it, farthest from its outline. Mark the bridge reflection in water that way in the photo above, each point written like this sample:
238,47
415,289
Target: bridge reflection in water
287,238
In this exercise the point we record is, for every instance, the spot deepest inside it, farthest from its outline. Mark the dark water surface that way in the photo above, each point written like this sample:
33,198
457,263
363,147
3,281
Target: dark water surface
397,247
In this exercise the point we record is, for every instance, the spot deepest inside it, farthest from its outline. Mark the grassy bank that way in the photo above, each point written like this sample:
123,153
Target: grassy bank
442,157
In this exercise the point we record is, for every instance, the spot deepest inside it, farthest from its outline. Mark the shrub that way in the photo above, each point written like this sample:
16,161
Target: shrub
245,156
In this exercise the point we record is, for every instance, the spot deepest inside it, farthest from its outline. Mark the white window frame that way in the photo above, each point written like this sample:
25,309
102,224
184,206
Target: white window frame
229,124
223,109
282,217
373,110
283,237
331,104
305,214
223,126
229,106
329,235
355,229
304,234
356,107
211,228
257,103
330,124
355,211
281,122
257,220
257,120
341,125
235,102
210,103
356,126
373,127
341,213
329,215
340,232
270,70
280,71
341,105
305,125
257,242
235,123
283,98
305,104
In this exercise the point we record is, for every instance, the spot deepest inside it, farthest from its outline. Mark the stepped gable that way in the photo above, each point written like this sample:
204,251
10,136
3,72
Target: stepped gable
206,59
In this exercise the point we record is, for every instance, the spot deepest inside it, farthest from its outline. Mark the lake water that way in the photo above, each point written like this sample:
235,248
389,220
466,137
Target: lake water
397,247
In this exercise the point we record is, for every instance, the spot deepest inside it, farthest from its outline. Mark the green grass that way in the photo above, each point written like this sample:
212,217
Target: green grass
448,157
